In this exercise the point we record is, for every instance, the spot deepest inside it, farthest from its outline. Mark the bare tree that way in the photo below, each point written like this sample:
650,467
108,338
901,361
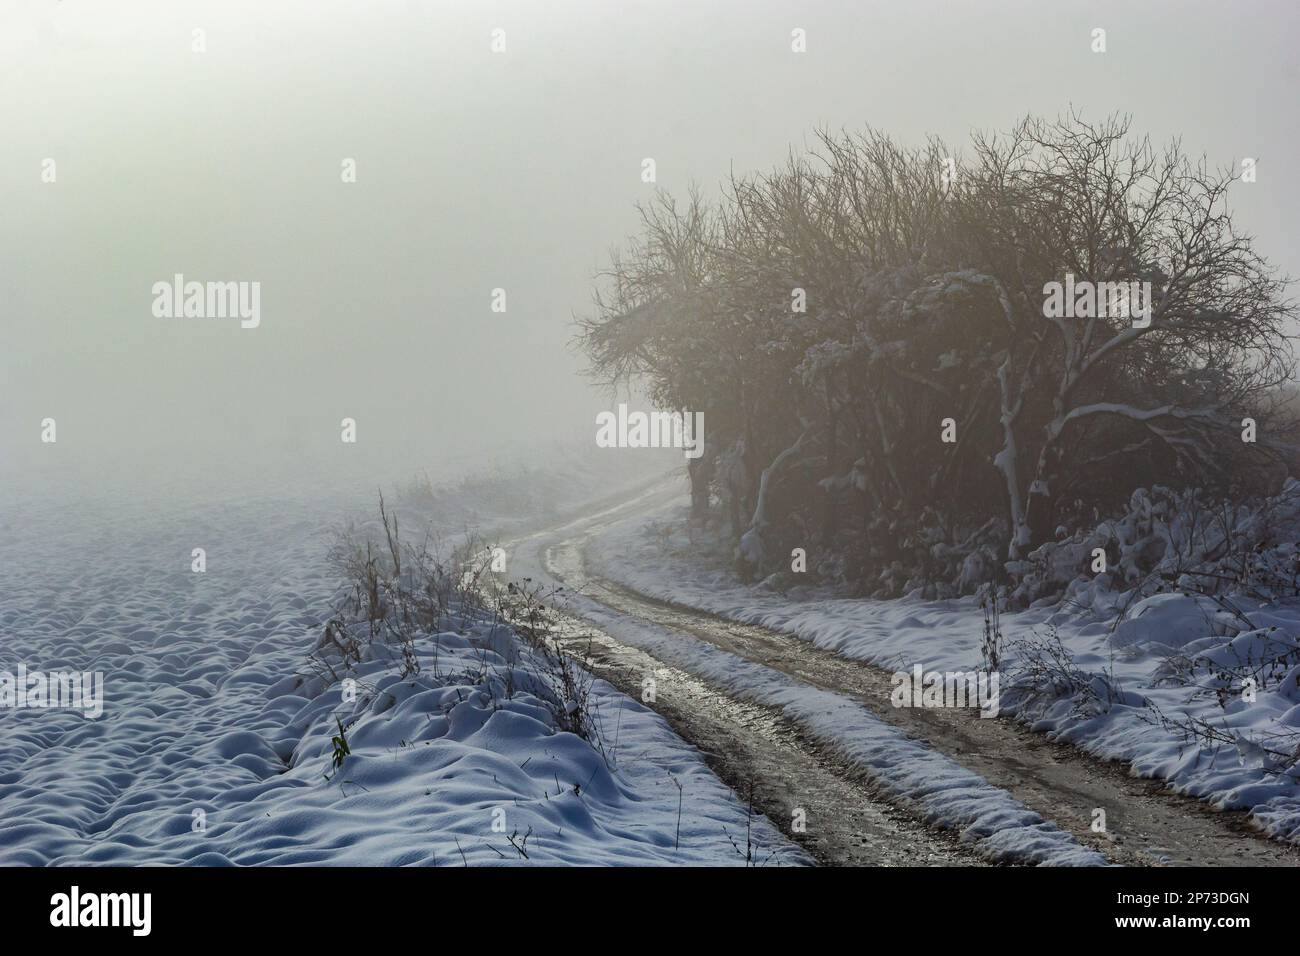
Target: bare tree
826,316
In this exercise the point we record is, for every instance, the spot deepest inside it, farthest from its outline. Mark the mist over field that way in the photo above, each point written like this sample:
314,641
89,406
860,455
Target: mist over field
691,433
474,171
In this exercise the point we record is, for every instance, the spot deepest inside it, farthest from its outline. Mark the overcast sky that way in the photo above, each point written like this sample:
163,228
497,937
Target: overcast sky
478,170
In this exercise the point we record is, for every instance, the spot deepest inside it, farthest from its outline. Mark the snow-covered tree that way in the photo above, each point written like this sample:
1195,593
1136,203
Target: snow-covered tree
828,316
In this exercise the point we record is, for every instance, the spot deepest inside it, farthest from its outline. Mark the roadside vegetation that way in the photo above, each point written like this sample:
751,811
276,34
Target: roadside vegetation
865,332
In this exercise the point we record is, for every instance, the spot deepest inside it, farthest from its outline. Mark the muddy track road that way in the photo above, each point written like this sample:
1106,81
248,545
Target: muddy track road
766,757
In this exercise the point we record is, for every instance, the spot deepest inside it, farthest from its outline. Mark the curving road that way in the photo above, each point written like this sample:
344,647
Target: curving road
758,751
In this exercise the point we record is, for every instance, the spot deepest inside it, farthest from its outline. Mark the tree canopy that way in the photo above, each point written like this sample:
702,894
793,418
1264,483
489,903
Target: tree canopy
866,330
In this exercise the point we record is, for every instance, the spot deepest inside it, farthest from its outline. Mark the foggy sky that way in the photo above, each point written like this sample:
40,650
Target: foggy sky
478,170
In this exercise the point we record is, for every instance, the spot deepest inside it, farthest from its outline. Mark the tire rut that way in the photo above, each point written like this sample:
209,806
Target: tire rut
764,759
1147,824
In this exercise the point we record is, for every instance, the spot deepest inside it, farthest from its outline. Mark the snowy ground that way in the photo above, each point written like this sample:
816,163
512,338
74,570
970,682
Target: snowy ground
212,749
945,794
653,555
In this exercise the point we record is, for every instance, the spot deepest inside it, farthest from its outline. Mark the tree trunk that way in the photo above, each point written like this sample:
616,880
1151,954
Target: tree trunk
700,471
830,517
1008,462
752,545
1040,503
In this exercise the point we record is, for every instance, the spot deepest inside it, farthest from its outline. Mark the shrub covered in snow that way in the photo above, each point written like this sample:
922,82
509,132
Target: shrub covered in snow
1171,541
396,595
472,681
883,385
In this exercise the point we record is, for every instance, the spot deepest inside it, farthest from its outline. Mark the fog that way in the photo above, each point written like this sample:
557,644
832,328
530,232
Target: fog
475,171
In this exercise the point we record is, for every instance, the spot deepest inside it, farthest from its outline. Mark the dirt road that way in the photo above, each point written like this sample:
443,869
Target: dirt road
759,751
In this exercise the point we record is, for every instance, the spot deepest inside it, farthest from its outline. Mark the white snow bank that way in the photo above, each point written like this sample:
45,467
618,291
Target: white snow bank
1171,620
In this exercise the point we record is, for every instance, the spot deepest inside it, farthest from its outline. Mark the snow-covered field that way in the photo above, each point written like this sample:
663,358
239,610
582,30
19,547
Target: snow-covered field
213,749
1146,714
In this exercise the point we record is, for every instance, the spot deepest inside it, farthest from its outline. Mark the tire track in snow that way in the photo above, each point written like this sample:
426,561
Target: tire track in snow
1147,824
940,791
764,759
